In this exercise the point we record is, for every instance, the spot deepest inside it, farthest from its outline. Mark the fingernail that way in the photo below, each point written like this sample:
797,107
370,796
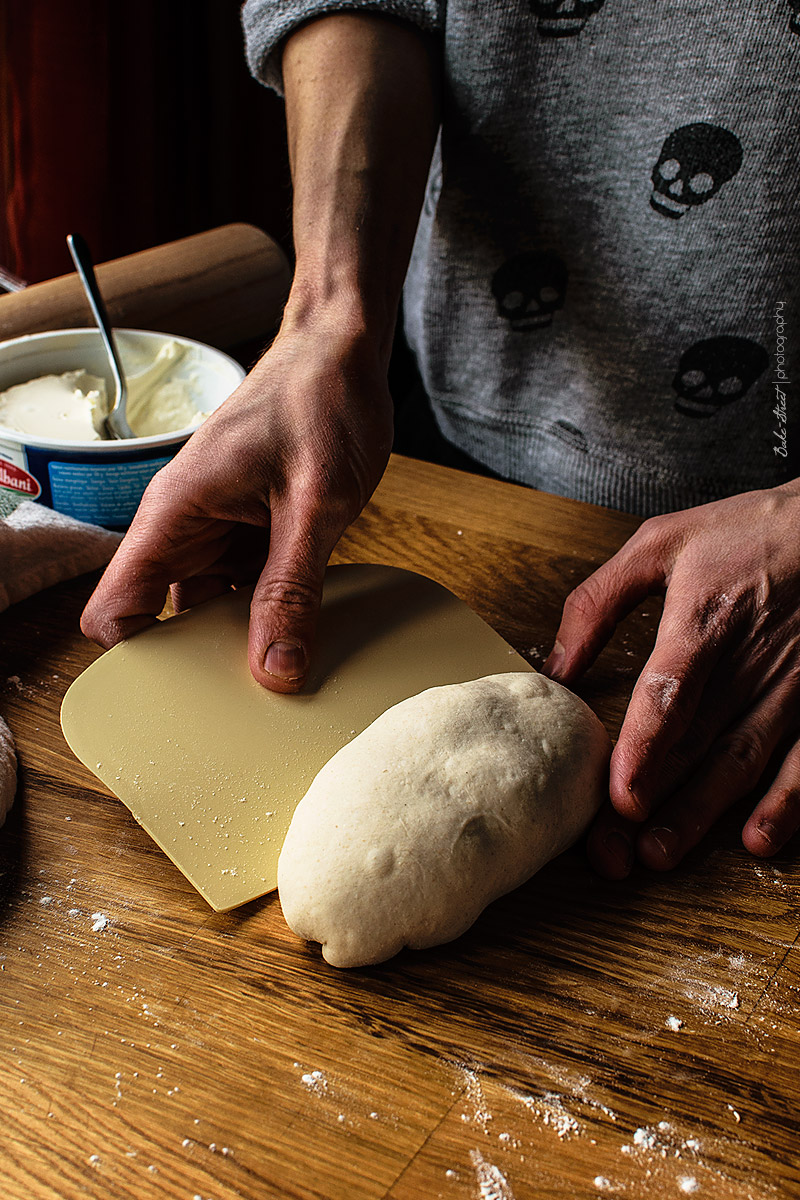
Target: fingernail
555,661
285,660
666,841
620,849
767,830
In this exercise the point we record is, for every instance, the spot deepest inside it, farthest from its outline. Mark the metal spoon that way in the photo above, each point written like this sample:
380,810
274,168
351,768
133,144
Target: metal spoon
116,423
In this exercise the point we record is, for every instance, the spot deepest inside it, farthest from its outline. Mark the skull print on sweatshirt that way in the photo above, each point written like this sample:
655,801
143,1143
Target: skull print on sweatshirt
715,372
563,18
694,163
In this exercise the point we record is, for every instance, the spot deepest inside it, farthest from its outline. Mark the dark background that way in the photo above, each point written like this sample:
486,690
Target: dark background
133,122
136,122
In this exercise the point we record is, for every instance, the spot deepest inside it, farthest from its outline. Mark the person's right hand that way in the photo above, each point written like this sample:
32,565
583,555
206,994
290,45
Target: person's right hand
262,491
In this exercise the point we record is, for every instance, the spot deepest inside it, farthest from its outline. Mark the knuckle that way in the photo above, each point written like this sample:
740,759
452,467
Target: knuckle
161,487
319,490
743,753
313,502
668,694
655,535
586,602
713,614
653,529
314,477
295,594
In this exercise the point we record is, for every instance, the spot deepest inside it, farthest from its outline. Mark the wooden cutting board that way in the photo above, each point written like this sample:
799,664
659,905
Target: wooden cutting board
212,764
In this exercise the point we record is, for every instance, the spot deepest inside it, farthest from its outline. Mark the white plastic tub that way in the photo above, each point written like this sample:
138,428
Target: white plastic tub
101,481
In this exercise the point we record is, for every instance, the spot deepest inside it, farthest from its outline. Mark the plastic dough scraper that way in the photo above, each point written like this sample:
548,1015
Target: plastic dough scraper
212,764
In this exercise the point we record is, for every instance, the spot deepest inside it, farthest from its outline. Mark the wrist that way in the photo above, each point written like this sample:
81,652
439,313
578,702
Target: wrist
337,309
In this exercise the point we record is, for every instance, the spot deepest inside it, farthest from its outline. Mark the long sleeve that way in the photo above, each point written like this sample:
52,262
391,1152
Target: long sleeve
267,23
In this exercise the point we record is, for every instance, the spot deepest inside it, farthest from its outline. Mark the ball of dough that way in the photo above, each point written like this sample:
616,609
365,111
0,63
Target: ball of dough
8,770
447,801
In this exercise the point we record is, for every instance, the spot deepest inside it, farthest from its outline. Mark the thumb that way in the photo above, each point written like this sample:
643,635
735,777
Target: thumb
286,602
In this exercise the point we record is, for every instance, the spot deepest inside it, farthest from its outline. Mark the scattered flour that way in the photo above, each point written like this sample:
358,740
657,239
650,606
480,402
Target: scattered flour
555,1114
555,1109
475,1097
688,1184
99,922
674,1023
551,1111
710,997
601,1183
316,1082
492,1183
662,1141
718,1000
724,997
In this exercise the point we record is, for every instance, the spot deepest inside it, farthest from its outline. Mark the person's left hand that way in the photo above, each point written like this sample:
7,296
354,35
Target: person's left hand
719,697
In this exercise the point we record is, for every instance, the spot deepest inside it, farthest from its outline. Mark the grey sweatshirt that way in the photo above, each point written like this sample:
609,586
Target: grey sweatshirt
603,292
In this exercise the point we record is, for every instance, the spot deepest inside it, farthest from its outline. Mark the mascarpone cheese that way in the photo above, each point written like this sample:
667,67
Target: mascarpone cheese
72,407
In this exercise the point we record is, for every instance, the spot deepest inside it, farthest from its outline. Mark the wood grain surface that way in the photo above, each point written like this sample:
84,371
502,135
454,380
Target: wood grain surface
584,1039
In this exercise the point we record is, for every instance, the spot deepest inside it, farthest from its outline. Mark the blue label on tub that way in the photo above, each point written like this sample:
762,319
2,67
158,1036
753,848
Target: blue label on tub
105,494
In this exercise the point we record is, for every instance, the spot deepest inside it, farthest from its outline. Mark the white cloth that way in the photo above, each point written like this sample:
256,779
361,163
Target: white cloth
38,548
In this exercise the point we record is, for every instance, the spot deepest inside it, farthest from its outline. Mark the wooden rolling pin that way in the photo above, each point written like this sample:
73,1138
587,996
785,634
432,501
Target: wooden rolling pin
225,287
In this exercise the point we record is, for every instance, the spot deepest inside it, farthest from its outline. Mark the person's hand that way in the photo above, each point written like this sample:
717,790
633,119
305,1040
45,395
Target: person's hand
262,491
718,702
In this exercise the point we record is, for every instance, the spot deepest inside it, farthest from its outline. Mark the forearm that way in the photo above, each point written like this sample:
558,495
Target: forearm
362,116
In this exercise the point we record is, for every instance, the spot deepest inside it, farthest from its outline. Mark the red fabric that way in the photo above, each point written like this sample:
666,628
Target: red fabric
57,66
132,122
